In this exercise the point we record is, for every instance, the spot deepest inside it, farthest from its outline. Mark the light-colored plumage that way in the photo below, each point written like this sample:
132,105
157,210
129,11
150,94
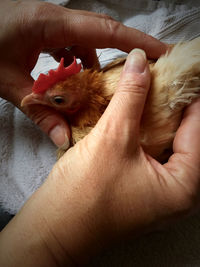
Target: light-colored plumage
175,83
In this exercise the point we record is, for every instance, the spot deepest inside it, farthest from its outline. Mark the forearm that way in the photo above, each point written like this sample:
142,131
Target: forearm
48,231
27,241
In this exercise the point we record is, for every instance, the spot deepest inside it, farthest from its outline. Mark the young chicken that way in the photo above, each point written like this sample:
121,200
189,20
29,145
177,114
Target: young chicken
83,96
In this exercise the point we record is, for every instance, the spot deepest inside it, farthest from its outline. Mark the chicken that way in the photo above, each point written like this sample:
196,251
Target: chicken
83,97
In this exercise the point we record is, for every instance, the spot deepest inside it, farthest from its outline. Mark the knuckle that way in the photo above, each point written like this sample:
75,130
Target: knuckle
107,17
132,87
113,27
41,12
136,81
41,9
32,15
41,117
32,11
144,40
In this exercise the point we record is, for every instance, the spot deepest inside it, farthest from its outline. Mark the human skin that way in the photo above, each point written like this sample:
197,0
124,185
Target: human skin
29,27
106,187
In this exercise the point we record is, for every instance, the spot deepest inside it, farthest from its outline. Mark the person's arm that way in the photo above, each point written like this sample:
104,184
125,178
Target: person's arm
29,27
28,239
67,219
106,187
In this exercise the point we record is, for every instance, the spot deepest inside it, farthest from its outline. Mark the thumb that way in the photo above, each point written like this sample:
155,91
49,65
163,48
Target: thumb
50,122
127,104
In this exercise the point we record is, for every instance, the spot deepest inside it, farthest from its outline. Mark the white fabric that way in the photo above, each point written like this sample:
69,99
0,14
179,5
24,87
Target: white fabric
27,155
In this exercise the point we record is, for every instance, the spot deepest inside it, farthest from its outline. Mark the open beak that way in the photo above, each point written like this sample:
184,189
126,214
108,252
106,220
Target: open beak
32,99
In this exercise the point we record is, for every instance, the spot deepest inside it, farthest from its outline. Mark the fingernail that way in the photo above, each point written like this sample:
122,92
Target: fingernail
59,136
136,61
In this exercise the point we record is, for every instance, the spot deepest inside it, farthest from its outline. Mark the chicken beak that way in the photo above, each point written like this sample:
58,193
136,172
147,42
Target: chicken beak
32,99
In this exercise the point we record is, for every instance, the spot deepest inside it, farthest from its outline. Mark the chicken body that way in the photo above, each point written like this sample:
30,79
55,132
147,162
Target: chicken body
175,82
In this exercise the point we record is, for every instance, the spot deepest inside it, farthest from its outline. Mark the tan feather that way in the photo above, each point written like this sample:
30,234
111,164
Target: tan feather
175,82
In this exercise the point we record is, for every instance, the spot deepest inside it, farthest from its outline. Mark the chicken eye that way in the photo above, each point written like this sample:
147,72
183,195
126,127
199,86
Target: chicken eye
58,100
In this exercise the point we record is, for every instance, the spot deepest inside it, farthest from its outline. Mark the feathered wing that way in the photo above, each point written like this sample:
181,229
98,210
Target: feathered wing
175,83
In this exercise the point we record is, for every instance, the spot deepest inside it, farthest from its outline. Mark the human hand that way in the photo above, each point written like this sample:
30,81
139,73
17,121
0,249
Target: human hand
29,27
105,186
108,187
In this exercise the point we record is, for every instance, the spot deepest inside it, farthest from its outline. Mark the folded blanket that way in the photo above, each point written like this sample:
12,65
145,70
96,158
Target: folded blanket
27,154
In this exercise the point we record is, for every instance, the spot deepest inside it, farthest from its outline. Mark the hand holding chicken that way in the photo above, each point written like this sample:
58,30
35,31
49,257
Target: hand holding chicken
83,97
106,187
33,33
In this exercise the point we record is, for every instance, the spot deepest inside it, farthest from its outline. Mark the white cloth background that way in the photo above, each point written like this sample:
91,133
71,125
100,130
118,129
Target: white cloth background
27,155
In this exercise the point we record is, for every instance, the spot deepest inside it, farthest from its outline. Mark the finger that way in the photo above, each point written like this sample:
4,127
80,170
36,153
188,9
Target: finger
50,122
122,117
187,139
68,29
184,164
87,56
110,33
89,13
59,53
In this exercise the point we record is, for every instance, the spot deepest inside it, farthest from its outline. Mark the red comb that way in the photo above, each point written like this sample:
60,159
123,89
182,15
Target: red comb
44,82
